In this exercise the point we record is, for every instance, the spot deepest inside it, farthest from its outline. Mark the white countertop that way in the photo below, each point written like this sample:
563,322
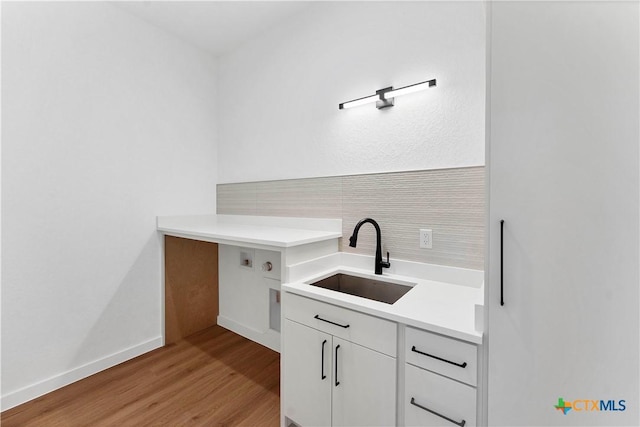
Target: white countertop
433,305
280,232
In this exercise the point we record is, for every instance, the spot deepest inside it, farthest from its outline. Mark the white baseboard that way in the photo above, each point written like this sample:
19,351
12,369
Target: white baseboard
269,339
25,394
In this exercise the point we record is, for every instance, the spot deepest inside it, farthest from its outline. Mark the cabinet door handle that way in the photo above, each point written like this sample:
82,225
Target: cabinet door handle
317,316
323,376
501,262
336,362
458,423
460,365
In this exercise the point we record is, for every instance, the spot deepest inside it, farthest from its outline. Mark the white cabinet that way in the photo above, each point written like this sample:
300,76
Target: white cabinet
563,174
248,292
327,378
364,386
369,331
434,400
446,356
434,394
308,363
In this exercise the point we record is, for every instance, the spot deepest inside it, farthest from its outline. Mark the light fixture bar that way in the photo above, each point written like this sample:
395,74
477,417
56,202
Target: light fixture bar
384,97
410,89
359,101
384,102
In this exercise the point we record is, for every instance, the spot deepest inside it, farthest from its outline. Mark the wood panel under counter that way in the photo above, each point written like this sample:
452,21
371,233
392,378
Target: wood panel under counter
191,286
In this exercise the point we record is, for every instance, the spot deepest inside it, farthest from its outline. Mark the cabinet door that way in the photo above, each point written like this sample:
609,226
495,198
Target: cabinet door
364,386
564,176
307,366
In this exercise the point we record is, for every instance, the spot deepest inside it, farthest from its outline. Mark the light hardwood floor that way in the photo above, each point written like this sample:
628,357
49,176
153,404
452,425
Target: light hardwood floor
212,378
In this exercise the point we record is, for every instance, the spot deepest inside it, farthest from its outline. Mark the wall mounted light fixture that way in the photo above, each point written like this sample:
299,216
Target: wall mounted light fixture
384,98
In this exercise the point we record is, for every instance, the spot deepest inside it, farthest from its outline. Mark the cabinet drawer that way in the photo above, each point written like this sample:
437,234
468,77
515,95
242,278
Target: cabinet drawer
446,356
450,402
368,331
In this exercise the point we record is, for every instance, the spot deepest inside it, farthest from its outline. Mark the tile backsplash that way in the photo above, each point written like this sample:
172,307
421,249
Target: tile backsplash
451,202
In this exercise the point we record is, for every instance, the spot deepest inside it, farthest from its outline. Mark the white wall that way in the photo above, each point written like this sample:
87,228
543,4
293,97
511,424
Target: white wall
107,122
279,94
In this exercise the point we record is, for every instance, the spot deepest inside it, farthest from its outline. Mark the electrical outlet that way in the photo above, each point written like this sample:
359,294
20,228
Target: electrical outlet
426,237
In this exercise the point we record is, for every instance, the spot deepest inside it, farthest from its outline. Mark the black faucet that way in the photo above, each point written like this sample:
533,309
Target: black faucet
354,239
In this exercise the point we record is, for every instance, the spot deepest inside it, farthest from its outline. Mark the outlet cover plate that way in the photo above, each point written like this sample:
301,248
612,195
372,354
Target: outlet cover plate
426,238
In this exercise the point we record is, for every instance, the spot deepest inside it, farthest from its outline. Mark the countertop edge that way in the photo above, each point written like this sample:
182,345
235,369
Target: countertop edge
227,239
473,337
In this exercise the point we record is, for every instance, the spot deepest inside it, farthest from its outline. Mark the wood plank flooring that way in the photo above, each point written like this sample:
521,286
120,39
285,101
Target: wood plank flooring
212,378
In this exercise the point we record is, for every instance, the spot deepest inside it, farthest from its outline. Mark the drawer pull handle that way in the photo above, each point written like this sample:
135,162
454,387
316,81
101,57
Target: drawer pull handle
501,262
329,321
337,382
460,365
323,376
461,423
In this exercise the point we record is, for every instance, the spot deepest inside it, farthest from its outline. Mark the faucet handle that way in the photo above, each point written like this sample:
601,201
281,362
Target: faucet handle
387,264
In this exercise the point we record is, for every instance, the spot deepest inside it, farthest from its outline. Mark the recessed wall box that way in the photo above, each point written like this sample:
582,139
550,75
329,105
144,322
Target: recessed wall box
246,258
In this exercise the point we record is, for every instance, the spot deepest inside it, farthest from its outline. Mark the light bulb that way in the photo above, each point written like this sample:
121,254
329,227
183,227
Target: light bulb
358,102
409,89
